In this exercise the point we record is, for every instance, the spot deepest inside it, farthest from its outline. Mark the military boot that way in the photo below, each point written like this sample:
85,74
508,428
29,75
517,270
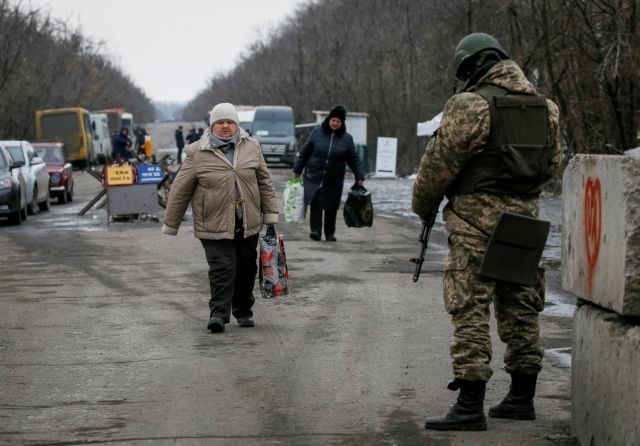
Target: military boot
518,404
467,414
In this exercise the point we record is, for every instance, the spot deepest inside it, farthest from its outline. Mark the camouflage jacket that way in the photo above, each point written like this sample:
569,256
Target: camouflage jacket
463,133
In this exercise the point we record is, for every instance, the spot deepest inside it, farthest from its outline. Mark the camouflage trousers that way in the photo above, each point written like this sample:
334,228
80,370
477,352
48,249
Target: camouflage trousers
468,297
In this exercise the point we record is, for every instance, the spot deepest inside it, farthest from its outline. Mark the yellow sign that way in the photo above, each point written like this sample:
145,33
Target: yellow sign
119,175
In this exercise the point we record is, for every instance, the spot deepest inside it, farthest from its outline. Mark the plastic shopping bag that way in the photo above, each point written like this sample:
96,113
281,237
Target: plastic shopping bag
293,197
273,272
358,209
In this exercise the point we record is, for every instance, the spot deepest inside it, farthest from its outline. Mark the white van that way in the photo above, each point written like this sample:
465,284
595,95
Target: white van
101,136
127,121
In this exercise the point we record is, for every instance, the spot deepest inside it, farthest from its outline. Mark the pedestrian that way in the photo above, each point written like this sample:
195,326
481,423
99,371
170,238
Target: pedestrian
192,135
121,143
322,158
226,180
488,160
146,145
179,142
200,132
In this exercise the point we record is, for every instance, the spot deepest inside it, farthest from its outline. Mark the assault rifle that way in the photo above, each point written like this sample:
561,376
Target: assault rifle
425,233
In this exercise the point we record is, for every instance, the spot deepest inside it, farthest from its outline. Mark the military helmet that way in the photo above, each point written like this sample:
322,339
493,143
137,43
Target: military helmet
473,44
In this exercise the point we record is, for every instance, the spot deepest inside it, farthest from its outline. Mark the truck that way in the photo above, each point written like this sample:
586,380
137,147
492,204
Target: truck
118,118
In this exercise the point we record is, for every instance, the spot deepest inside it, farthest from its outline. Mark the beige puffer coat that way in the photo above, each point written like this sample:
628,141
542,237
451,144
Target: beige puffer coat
208,181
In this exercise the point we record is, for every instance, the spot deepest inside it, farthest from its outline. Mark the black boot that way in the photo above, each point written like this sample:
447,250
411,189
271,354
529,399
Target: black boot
518,404
467,414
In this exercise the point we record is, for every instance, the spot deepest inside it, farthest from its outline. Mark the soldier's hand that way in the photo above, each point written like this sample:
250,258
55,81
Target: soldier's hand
429,220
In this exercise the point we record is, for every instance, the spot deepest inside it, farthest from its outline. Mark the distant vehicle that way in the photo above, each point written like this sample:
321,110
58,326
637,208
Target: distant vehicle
13,200
59,168
246,118
35,174
72,126
116,119
273,126
101,136
127,121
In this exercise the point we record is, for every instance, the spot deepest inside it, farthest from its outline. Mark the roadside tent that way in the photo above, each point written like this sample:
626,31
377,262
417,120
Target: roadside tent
429,127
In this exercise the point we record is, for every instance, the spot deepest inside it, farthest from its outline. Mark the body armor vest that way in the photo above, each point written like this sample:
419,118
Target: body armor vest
516,158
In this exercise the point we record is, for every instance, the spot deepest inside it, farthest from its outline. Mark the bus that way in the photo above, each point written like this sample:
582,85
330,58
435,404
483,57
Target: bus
71,126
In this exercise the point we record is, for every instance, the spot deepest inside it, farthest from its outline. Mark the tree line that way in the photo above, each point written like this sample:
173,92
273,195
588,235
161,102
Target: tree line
45,64
393,60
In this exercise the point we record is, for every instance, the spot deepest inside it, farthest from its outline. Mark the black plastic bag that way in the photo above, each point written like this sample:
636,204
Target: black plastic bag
358,209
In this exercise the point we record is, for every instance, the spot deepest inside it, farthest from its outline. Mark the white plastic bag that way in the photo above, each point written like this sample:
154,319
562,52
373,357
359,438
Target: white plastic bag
293,197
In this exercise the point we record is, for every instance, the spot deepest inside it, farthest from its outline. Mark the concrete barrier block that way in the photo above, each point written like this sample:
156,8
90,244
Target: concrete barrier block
605,385
601,231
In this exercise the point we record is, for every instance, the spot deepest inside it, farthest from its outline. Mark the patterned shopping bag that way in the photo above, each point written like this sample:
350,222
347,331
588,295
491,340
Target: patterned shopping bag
273,272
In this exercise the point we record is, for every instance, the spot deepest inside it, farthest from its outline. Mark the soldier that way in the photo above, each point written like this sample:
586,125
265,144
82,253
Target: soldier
498,142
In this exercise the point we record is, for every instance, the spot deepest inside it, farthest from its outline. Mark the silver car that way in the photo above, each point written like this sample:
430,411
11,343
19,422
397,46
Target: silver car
35,174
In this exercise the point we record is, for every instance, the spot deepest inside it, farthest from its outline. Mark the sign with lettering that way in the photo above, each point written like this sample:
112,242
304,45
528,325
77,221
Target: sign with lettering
119,175
386,157
150,174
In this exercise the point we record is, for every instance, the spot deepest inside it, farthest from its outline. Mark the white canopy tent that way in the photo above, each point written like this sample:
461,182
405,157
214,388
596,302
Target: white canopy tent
428,128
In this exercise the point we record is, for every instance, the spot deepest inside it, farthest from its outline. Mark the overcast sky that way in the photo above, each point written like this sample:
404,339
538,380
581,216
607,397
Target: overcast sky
171,48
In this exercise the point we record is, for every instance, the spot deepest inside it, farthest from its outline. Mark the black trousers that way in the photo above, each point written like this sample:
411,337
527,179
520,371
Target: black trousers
315,220
179,154
232,275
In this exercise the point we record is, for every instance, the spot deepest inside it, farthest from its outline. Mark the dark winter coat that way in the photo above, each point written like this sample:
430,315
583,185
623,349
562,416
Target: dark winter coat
179,139
120,146
323,158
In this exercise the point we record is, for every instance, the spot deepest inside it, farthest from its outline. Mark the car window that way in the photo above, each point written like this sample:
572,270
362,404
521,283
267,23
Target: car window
263,127
16,153
51,155
3,162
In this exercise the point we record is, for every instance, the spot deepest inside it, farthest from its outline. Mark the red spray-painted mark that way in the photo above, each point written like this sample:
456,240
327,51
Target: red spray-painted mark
592,225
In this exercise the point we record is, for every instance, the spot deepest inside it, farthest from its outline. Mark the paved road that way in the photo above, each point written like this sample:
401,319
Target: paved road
103,340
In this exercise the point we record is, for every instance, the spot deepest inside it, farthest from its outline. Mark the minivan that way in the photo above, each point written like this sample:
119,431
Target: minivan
101,136
273,126
69,125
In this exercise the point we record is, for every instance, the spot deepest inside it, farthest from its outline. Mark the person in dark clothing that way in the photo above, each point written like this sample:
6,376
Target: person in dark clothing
120,145
192,135
200,132
179,142
323,158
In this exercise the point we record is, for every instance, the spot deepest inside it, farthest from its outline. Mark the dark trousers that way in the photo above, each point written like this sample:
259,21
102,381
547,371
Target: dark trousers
315,220
179,154
232,275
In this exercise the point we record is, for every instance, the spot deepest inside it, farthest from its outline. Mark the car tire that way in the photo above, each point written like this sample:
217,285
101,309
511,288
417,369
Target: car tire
46,204
16,217
33,206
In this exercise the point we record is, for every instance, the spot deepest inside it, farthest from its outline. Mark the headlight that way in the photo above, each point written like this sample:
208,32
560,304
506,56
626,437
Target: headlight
55,178
6,183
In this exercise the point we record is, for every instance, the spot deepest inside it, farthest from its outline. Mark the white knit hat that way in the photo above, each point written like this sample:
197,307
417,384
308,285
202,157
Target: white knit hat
224,110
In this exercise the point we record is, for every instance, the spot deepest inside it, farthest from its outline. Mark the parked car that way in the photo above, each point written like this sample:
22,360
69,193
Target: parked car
35,174
13,200
59,167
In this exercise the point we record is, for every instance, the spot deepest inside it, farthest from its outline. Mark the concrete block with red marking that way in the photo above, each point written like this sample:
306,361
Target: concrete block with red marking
601,231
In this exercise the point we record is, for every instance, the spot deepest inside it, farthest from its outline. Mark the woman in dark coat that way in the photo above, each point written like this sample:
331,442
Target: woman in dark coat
323,159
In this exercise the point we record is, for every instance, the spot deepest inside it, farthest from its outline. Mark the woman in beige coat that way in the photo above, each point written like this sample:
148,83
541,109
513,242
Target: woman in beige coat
226,180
